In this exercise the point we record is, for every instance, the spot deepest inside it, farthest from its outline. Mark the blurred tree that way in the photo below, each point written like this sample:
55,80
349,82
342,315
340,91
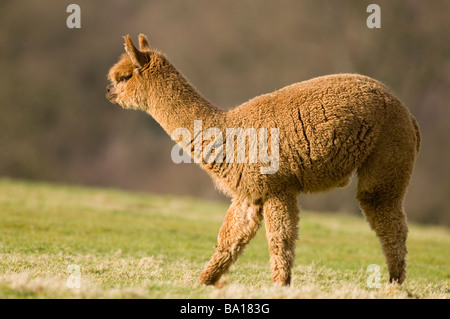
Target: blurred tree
55,123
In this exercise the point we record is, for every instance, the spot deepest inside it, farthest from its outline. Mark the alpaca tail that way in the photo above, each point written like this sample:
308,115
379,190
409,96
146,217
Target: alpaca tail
417,131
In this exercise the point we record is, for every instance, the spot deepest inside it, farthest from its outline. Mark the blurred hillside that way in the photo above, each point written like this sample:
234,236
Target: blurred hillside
55,123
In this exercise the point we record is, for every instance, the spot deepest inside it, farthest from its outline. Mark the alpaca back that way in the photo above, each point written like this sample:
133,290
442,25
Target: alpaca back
327,126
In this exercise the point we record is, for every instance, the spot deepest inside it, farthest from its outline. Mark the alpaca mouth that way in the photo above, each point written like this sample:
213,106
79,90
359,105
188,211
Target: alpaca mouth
110,95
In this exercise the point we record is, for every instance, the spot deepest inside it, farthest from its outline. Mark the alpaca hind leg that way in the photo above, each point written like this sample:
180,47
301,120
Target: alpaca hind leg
380,194
390,226
241,223
281,218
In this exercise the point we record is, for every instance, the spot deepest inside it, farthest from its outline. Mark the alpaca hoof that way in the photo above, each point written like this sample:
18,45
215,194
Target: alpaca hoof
208,280
396,280
220,284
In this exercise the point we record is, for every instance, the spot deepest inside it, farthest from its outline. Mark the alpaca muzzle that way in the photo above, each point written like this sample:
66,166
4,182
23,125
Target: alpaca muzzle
110,95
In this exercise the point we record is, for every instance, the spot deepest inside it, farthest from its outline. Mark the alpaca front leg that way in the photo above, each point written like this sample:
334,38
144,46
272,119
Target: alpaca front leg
241,223
281,217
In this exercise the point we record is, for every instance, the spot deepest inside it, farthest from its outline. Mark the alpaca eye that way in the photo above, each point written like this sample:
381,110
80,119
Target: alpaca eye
124,78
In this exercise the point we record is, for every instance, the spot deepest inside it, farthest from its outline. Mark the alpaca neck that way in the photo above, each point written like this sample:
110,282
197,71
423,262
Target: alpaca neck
176,104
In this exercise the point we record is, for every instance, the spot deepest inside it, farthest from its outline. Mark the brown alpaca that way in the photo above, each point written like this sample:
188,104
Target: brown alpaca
329,127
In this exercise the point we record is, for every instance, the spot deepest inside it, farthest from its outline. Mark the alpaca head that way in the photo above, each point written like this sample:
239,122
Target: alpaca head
131,77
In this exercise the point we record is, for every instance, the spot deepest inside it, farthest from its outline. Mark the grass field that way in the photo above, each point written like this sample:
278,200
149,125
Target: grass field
117,244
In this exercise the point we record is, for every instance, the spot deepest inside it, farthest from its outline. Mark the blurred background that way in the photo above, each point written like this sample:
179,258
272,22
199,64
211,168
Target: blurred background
56,125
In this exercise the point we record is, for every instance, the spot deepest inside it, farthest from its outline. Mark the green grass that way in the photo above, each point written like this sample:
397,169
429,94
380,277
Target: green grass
130,245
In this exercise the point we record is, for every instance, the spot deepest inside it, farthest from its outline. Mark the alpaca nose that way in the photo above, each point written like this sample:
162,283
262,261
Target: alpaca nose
109,88
110,95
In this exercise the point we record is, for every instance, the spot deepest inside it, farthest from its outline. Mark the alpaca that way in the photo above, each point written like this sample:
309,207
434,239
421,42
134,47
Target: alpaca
329,127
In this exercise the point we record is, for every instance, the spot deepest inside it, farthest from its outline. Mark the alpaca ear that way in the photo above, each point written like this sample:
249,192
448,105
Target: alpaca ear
143,43
136,56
